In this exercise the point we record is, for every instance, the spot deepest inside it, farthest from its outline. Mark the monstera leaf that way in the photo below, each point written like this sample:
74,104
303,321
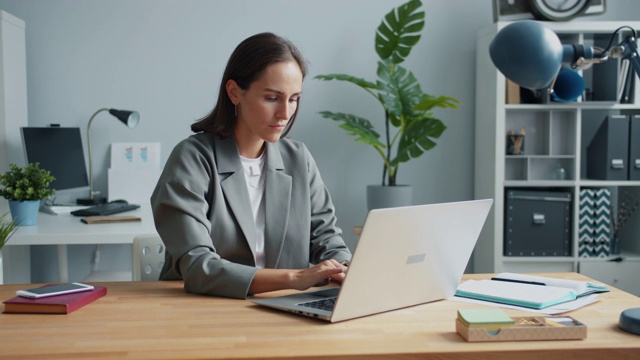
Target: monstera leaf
399,91
429,102
356,126
399,32
352,79
418,138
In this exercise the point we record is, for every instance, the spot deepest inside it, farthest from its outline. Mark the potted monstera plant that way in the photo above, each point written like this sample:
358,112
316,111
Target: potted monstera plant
25,187
410,127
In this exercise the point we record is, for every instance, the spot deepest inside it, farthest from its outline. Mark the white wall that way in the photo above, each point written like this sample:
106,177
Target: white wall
165,58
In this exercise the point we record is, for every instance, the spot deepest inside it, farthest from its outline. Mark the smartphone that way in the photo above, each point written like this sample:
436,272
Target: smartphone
53,290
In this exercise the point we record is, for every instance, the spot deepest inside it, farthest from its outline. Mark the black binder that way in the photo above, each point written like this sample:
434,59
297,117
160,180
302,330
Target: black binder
634,147
608,152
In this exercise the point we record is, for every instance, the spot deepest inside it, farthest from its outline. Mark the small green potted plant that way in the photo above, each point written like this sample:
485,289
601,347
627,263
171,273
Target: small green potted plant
25,187
410,127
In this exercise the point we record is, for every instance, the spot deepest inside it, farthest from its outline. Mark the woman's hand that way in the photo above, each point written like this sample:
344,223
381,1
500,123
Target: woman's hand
328,271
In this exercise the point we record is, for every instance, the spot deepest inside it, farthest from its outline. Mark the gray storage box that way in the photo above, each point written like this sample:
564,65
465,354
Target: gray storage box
537,223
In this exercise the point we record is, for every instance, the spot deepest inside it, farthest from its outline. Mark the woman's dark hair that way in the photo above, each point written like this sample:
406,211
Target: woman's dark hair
246,64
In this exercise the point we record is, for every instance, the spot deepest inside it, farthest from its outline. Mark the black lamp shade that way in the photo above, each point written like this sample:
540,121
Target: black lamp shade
129,118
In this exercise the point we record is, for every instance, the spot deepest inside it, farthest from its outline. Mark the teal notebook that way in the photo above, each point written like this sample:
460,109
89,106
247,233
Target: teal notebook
514,293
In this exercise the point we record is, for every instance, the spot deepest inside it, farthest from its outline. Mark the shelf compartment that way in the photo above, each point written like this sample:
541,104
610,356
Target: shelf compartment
592,119
547,132
555,168
516,168
536,128
551,168
563,130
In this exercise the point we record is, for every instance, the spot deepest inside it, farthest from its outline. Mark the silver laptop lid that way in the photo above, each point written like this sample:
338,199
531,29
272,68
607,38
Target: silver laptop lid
410,255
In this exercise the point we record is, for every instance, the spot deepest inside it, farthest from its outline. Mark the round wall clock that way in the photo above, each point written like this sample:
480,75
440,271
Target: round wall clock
558,10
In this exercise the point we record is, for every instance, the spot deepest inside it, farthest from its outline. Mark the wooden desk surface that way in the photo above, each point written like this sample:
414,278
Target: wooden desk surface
158,320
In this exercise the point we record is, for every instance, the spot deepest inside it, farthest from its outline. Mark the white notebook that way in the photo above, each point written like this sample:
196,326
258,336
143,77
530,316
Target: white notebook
535,292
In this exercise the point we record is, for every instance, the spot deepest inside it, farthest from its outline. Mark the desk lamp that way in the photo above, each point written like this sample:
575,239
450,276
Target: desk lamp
531,55
129,118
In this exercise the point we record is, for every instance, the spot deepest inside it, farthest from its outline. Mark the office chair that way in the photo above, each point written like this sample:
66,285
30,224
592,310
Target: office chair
148,257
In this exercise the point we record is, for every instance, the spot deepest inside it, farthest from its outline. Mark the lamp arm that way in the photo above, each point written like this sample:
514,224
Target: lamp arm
579,56
628,49
90,152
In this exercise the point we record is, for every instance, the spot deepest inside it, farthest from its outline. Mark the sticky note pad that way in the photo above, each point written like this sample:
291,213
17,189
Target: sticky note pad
487,318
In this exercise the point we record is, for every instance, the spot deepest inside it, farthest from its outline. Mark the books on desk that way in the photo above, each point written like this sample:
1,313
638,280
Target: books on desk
59,304
534,292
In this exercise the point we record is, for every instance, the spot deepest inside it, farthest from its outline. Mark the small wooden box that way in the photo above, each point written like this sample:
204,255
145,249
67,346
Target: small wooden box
528,329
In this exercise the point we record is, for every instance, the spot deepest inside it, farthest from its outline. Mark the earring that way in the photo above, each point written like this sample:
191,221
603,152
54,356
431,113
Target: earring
235,110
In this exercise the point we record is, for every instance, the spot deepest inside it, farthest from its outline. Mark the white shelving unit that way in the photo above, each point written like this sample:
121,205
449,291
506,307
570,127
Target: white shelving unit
557,135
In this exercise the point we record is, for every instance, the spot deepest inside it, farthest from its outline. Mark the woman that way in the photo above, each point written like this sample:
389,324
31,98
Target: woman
241,209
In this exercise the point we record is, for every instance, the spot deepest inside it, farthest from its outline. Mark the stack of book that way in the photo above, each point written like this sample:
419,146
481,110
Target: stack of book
528,291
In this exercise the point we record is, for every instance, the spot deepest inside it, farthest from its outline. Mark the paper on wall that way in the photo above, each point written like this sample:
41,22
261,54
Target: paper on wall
135,170
146,154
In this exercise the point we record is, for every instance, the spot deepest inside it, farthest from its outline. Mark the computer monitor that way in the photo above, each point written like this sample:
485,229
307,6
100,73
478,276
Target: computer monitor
59,150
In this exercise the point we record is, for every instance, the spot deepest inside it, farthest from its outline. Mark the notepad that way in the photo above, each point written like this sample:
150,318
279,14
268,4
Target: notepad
109,219
514,293
488,319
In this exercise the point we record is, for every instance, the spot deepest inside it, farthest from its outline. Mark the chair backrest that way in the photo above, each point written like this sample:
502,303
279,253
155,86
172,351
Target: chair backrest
148,257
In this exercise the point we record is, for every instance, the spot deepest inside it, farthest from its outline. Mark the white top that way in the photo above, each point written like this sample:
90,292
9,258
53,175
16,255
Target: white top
253,173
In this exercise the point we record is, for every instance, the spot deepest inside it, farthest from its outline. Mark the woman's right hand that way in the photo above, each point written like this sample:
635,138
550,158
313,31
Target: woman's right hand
328,271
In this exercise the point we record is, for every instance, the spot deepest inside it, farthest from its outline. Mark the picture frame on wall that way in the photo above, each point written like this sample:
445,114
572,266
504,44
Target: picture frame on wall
512,10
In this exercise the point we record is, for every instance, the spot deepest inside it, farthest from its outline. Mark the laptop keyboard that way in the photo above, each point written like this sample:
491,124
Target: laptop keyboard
322,304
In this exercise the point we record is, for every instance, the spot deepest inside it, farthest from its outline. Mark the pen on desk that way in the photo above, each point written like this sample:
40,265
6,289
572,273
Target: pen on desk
519,281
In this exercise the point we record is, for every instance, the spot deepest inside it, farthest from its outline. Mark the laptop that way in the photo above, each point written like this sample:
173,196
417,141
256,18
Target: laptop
405,256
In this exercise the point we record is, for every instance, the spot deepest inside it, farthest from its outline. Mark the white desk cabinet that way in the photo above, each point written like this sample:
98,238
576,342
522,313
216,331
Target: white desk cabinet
623,274
63,230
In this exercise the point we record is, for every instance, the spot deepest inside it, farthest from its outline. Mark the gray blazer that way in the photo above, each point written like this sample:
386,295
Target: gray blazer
202,212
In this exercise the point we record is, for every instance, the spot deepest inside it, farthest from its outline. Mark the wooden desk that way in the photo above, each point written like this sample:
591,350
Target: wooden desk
159,320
